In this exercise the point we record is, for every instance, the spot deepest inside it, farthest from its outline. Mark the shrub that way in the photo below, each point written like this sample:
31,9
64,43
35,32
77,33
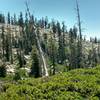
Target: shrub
20,74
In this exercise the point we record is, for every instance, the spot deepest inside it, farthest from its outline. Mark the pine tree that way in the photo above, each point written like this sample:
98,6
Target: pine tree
26,36
11,47
15,20
9,21
94,55
46,22
21,21
63,41
2,18
73,50
95,40
35,70
79,58
60,44
3,42
54,28
52,54
12,21
7,47
21,41
20,54
98,52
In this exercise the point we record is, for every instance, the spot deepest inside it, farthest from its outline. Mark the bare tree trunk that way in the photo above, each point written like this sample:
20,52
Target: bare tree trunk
79,21
44,65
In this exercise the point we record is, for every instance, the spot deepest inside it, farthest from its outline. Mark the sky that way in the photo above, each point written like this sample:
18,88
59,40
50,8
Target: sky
62,10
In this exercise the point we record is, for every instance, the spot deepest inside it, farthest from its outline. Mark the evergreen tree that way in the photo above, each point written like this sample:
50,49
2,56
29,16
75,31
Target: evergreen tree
12,21
79,58
54,28
46,22
63,41
52,54
73,49
35,70
60,44
11,48
15,20
45,37
7,47
3,42
93,56
95,40
2,18
21,41
20,54
26,37
21,21
8,20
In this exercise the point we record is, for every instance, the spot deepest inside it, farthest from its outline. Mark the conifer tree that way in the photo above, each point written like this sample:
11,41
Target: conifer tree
9,20
3,42
15,20
63,42
7,48
52,54
79,58
73,49
35,70
21,41
60,44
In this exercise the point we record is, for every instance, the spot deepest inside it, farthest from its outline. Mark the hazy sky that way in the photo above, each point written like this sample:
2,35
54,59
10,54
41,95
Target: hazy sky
62,10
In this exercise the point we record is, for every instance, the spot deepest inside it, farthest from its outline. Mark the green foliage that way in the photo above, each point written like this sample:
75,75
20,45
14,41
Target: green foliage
35,63
80,84
20,74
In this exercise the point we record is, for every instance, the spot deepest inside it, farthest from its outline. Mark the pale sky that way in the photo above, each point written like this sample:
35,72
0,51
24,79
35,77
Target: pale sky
62,10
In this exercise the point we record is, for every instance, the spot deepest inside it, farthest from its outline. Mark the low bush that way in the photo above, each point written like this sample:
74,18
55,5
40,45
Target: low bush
80,84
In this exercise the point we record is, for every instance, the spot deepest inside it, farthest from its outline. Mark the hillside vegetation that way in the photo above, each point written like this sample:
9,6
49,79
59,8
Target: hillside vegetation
40,59
78,84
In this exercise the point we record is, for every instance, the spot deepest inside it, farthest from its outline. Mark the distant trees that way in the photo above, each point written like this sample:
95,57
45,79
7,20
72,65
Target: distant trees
59,46
8,18
46,22
15,20
2,18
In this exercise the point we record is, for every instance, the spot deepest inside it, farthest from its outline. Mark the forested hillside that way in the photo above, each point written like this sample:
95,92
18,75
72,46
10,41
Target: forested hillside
43,48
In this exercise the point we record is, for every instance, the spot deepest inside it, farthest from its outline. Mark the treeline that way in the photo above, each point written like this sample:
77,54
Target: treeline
60,46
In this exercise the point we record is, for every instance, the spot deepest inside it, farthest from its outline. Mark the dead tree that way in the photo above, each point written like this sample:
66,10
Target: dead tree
79,44
79,20
44,65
